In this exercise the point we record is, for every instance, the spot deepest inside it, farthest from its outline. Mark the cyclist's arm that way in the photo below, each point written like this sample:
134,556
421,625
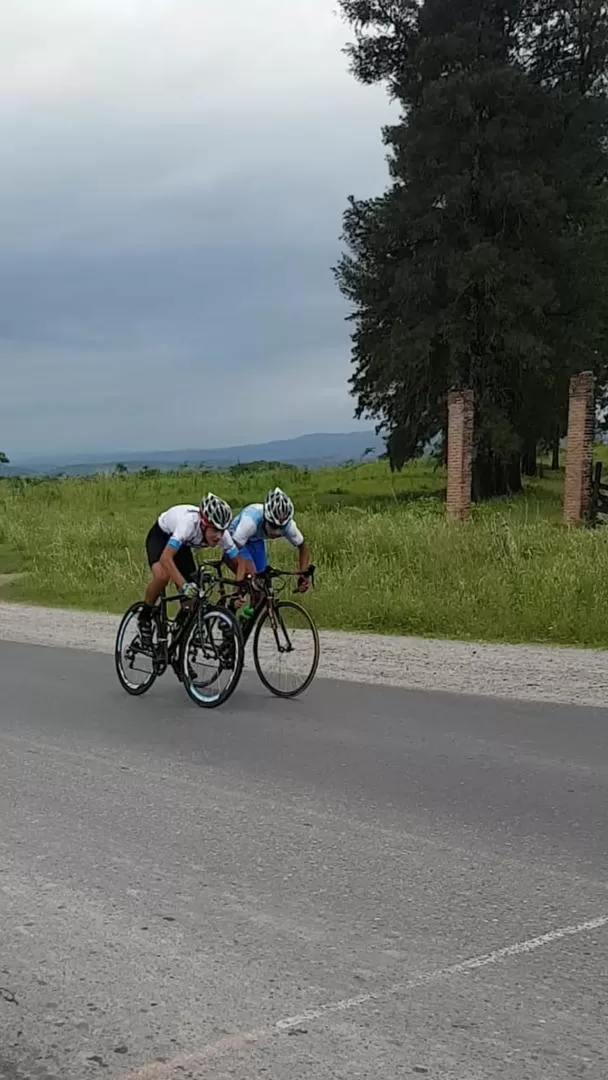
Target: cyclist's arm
245,531
236,562
167,561
243,568
303,556
296,539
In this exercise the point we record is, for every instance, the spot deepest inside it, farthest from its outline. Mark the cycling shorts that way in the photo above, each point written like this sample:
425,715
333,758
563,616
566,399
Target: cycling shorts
255,551
156,542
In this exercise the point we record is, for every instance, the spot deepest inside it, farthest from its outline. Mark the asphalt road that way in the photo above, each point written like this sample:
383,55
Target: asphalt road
363,883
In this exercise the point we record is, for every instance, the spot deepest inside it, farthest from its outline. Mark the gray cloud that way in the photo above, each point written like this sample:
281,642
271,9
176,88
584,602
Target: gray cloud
170,207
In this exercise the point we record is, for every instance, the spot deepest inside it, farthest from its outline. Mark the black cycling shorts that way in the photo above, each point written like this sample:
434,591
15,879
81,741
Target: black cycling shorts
156,542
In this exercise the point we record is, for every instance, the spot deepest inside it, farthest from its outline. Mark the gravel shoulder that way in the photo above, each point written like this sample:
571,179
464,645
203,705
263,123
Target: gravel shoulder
524,672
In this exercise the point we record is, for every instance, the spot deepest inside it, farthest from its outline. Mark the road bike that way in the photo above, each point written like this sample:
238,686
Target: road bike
203,644
286,645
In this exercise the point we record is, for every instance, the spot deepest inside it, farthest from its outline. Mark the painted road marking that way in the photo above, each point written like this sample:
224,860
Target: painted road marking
231,1044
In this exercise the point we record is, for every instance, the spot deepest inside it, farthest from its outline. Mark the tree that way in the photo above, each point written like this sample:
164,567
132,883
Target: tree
569,58
462,271
3,458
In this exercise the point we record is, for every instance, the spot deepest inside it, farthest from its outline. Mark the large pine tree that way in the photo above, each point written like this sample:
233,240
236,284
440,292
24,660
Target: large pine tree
479,265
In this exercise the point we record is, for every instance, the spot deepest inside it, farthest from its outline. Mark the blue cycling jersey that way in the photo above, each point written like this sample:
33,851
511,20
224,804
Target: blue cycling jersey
248,525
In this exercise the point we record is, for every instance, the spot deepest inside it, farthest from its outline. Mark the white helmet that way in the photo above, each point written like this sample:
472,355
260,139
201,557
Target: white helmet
216,511
278,508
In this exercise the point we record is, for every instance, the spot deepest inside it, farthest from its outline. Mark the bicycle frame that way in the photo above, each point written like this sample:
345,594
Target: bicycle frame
169,649
262,583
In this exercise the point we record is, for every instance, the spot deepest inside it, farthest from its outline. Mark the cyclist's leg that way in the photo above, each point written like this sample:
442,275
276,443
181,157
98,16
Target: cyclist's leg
243,567
185,563
155,545
232,564
156,585
258,555
256,564
156,542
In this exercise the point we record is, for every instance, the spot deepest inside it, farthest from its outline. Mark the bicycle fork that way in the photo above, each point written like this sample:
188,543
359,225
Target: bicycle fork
276,622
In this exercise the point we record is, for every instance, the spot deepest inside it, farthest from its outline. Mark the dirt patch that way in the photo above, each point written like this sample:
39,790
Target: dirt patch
7,579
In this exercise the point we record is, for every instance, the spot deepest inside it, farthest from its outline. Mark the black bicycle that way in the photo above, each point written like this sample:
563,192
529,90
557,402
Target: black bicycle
202,643
286,645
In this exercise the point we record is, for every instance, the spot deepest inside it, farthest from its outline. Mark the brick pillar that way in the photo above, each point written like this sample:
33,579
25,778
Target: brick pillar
579,447
461,408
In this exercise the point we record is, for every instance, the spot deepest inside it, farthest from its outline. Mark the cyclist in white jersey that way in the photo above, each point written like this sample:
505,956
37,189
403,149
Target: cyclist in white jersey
169,545
258,523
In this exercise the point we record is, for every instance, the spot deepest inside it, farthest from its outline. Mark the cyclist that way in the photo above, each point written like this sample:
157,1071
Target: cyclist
169,545
259,522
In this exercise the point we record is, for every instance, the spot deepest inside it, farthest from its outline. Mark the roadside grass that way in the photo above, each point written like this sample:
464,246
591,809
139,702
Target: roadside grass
388,561
10,560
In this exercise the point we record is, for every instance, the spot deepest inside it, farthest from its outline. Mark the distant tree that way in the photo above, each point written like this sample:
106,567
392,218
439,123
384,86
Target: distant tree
3,458
241,468
120,467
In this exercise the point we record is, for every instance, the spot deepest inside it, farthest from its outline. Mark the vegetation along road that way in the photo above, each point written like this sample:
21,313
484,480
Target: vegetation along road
388,562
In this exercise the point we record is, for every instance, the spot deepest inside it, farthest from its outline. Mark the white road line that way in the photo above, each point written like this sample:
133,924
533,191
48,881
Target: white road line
462,968
195,1059
238,1043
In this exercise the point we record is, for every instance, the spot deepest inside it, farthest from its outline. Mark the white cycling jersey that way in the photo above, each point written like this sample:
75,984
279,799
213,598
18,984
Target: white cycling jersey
182,524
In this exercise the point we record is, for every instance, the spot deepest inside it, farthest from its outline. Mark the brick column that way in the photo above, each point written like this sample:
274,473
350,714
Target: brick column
579,447
461,410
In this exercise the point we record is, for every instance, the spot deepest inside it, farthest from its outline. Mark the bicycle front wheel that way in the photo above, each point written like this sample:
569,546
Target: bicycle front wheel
134,664
286,649
211,657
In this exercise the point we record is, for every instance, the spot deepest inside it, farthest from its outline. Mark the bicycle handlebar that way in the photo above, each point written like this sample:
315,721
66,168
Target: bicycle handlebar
271,572
206,577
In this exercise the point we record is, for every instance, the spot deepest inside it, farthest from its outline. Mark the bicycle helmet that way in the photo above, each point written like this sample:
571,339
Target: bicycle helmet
278,508
216,512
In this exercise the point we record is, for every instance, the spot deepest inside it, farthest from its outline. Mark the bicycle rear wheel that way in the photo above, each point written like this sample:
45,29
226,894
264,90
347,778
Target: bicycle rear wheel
134,665
211,657
286,649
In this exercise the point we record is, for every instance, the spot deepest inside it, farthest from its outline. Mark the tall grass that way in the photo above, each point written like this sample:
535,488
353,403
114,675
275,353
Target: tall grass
387,559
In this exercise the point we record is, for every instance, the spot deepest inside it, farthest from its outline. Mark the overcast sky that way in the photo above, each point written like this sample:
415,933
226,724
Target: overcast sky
171,189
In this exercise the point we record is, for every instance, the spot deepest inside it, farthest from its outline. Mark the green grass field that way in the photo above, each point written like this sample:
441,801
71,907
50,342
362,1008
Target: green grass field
387,559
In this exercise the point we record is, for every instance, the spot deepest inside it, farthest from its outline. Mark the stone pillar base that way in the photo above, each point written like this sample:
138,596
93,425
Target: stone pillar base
461,412
579,447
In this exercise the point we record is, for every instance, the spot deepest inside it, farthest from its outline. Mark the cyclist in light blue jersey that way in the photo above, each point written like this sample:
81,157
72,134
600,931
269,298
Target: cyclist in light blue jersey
255,525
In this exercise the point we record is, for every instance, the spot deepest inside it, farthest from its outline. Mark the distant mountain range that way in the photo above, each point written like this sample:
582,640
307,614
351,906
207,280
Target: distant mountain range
313,451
